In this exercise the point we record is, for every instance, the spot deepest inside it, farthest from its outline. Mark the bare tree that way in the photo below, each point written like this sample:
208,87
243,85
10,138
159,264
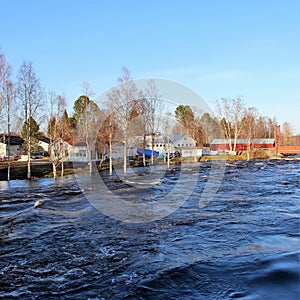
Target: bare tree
7,95
91,119
287,133
155,111
30,96
10,98
5,86
145,117
58,147
167,128
250,127
107,134
231,113
121,103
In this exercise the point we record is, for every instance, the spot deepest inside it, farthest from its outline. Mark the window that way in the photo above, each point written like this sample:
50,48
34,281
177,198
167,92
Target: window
82,153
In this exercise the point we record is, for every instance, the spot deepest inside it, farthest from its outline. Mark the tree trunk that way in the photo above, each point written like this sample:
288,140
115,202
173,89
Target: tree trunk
54,170
125,155
144,149
101,161
248,153
90,162
168,156
249,147
110,157
152,150
62,169
29,165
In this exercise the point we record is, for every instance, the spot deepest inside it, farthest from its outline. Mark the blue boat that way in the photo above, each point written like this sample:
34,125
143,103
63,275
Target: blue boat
148,152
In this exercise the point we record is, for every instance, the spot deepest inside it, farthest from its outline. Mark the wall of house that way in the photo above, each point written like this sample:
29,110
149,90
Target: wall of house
78,154
2,150
44,146
14,150
185,142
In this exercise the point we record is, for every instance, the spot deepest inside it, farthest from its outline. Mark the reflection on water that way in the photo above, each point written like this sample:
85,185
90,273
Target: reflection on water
243,245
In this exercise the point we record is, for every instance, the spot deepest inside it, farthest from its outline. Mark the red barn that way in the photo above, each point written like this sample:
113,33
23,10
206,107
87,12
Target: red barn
242,144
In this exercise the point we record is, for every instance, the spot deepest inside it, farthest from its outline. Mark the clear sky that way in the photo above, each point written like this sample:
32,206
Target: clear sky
219,48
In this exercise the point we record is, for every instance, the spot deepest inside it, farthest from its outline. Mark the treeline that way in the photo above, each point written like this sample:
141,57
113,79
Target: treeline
126,112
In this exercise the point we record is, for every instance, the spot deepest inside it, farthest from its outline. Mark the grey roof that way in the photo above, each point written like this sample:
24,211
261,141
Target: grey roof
160,140
176,138
243,141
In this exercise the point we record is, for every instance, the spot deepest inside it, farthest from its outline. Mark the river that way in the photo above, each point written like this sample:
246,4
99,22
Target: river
242,244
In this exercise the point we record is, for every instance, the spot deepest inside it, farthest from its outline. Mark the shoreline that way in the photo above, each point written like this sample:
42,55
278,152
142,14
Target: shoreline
43,168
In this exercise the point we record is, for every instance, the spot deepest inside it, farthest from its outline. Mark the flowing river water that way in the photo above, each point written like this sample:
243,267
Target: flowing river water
243,244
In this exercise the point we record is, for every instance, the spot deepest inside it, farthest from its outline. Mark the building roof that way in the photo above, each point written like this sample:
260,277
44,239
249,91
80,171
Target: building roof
178,137
14,139
44,139
163,139
243,141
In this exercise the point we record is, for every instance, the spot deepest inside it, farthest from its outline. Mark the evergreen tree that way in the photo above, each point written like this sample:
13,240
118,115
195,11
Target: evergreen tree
30,130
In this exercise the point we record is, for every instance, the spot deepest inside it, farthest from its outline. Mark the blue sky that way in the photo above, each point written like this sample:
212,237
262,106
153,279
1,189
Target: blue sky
219,48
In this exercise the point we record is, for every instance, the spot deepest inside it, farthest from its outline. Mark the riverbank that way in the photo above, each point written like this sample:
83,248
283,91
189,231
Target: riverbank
43,168
39,169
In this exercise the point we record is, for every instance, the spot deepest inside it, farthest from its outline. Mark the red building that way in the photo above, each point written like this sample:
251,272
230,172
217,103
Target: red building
242,144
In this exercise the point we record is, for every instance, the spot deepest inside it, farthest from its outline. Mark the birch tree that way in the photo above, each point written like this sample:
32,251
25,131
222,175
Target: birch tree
121,103
10,98
30,97
108,131
56,129
5,87
155,112
231,113
250,127
287,133
167,128
7,95
145,117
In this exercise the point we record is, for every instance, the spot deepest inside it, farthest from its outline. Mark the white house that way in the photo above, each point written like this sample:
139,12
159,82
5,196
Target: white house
183,141
60,149
43,143
180,143
79,152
